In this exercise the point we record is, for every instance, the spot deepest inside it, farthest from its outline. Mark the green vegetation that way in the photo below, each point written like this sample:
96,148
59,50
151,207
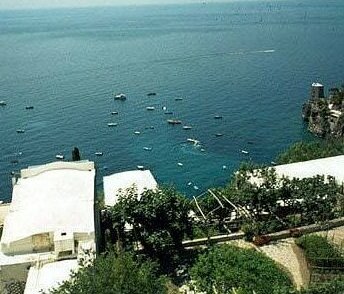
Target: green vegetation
114,274
335,286
159,220
319,252
225,267
277,204
303,151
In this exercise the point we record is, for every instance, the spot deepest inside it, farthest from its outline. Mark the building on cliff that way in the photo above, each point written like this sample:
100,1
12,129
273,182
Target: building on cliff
328,166
118,183
51,218
317,91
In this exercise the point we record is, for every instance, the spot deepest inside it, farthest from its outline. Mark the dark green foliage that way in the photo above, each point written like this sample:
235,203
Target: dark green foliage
224,267
114,274
303,151
272,204
319,252
331,287
159,219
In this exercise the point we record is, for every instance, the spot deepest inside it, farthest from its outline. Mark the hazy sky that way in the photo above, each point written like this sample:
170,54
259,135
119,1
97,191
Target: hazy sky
17,4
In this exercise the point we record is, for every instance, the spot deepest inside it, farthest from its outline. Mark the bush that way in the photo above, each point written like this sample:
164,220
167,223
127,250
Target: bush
332,287
319,251
303,151
225,267
115,274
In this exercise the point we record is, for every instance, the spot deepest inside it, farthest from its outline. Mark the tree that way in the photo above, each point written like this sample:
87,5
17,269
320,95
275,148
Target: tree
225,267
159,220
114,274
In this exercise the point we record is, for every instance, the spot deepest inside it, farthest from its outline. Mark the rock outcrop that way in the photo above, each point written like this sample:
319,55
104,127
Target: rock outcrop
325,116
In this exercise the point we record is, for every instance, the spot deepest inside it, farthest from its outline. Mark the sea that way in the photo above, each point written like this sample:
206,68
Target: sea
251,63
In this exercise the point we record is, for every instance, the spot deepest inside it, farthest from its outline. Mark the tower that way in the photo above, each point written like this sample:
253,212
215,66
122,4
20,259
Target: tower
317,91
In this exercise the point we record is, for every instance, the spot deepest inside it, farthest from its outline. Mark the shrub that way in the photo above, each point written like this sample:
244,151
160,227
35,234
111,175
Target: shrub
332,287
319,251
225,267
115,274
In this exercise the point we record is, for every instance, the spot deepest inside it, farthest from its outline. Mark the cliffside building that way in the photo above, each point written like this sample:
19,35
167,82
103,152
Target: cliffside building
118,183
51,217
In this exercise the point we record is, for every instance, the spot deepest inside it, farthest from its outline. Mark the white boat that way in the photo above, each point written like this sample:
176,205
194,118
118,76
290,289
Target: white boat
98,153
218,117
120,96
194,141
112,124
114,112
59,156
150,108
174,121
187,127
137,132
3,103
178,99
180,164
20,131
244,152
140,167
147,148
218,135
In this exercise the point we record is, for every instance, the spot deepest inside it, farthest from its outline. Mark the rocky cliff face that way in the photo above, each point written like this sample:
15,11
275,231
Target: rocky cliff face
325,116
316,113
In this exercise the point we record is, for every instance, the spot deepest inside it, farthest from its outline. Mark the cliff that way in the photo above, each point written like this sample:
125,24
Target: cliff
325,116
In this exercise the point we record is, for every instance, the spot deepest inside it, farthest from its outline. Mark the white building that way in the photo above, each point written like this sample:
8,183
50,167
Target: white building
51,216
328,166
118,183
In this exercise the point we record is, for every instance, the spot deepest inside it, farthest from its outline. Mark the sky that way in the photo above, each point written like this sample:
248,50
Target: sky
24,4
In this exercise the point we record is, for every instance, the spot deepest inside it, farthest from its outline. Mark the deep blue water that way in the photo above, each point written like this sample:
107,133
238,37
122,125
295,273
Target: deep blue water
251,62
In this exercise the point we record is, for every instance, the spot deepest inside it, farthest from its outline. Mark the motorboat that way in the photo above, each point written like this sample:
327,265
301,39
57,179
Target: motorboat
244,152
140,167
168,112
180,164
120,96
187,127
59,156
29,107
112,124
194,141
218,117
114,112
174,121
20,131
218,135
178,99
3,103
147,148
150,108
151,94
98,153
137,132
